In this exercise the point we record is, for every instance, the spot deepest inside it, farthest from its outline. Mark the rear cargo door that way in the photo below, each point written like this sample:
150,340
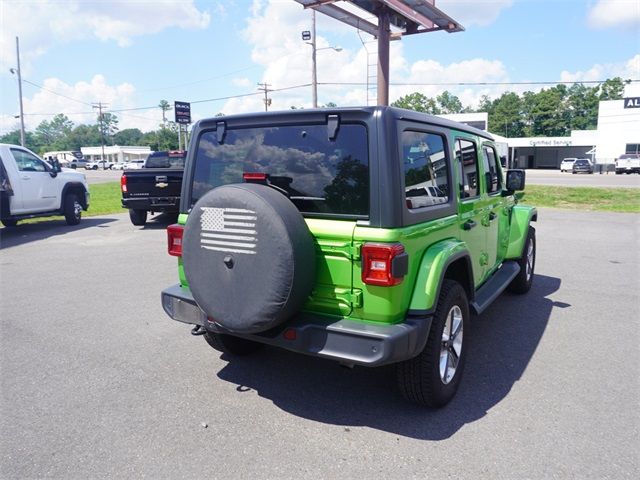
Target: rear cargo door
333,292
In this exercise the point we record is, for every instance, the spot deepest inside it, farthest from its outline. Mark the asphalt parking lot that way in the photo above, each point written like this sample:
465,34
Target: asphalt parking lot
97,382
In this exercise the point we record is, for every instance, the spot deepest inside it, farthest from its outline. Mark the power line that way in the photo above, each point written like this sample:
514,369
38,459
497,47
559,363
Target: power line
463,84
56,93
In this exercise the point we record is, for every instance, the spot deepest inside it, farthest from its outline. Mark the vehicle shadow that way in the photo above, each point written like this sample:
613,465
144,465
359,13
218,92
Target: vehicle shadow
31,232
160,221
503,341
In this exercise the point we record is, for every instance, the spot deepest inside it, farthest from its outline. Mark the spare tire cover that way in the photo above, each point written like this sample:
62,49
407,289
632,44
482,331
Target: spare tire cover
248,256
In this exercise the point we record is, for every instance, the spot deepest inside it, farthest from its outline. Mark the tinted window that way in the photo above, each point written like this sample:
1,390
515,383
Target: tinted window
426,178
491,170
467,162
319,175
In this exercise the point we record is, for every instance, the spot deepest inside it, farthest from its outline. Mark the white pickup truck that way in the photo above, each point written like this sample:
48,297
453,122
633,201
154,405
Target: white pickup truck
628,163
31,187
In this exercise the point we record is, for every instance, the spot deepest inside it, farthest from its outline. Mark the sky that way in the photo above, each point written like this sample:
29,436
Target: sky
129,55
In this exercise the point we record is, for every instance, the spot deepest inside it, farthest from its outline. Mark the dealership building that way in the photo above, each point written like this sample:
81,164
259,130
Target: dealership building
115,153
618,132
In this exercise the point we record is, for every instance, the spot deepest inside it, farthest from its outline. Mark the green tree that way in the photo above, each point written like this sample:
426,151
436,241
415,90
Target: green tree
418,102
449,103
128,136
53,135
506,115
165,107
84,136
612,89
108,126
581,108
30,140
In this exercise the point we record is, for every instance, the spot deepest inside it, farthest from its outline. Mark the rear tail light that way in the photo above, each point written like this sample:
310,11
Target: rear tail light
384,264
123,183
174,239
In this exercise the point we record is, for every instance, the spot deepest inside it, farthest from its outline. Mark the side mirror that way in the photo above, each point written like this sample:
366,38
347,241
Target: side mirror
515,181
55,167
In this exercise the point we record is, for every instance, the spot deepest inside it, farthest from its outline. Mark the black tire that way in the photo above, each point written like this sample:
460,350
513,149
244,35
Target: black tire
95,167
231,345
9,223
74,166
72,209
138,217
420,379
261,276
522,283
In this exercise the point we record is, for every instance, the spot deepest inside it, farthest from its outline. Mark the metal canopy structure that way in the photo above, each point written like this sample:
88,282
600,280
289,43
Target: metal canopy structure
386,20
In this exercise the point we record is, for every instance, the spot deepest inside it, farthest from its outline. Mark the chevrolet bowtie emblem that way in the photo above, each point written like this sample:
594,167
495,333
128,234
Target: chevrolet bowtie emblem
162,185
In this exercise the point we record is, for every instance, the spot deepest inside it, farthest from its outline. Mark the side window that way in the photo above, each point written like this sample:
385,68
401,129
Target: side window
27,162
426,177
491,170
467,165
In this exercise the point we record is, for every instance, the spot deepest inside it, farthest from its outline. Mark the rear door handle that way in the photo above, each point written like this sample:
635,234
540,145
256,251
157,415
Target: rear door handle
469,224
492,216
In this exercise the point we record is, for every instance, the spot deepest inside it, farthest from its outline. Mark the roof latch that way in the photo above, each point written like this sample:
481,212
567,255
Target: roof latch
221,131
333,125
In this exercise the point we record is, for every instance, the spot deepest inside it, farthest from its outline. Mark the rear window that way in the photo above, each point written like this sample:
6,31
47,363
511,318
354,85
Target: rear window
166,160
320,176
581,162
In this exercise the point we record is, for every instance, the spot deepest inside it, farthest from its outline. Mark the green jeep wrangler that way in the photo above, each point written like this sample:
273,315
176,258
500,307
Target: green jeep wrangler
362,235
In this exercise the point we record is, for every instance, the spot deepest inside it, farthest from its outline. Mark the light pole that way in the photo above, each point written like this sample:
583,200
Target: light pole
13,70
310,39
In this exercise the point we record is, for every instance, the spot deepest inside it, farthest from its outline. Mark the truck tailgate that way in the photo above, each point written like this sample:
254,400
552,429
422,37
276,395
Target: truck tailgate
153,183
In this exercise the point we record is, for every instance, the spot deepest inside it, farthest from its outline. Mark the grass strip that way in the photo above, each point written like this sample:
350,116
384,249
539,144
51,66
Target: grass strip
626,200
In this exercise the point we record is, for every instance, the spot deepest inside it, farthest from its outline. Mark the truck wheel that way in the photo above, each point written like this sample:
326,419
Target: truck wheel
72,209
522,282
432,378
138,217
9,223
230,344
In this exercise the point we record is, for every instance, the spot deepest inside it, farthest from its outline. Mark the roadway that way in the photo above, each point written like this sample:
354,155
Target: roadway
97,382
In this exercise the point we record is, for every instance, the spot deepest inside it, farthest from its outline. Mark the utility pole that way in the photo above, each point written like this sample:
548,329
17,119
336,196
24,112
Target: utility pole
100,106
265,88
19,91
314,67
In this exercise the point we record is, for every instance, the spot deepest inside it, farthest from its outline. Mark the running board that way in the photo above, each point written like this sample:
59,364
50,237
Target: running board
488,292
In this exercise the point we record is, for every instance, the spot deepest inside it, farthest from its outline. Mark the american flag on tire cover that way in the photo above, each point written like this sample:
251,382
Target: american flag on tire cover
231,230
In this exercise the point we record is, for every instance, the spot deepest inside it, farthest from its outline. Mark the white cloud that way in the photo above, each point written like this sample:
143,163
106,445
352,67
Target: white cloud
41,24
614,13
274,32
629,69
76,102
473,12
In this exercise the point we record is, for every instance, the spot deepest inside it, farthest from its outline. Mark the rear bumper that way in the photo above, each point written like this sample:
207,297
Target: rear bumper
154,204
346,341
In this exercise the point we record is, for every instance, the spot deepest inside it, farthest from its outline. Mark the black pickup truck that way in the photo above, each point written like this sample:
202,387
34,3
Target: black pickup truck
155,187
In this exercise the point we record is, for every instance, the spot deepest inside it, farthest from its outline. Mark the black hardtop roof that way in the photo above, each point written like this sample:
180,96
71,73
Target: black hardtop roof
319,115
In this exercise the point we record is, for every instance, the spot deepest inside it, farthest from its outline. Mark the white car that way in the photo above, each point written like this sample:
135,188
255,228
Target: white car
117,166
99,165
567,164
134,165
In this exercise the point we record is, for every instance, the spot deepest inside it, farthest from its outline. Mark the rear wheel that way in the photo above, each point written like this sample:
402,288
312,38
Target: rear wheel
9,223
230,344
72,209
138,217
432,378
524,279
